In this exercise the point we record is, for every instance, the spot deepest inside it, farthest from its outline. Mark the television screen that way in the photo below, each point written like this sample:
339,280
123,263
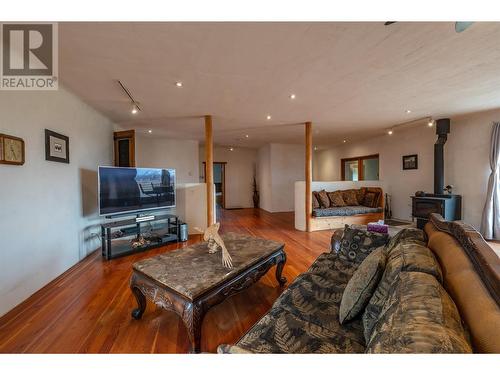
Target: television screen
123,190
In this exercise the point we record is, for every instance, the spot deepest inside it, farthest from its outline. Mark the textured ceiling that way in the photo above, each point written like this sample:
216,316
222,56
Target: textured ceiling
350,79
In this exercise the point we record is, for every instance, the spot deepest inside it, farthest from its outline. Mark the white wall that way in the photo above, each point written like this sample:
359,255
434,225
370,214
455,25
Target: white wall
48,210
466,162
182,155
240,169
279,167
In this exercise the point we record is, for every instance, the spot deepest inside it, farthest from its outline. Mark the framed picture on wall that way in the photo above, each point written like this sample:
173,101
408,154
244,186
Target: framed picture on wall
410,162
56,147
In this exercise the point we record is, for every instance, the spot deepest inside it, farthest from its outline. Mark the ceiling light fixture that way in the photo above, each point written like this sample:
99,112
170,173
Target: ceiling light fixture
247,136
390,132
231,149
292,96
150,131
344,141
315,148
430,124
408,111
178,84
135,104
268,117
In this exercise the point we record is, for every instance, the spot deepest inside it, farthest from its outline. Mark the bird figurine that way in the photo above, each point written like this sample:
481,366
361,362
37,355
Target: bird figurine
211,235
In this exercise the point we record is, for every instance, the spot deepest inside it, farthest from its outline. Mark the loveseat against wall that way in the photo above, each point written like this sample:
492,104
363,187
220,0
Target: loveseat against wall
436,291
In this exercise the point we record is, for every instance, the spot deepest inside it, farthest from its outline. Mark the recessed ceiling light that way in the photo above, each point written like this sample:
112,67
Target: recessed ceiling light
390,132
231,149
292,96
430,123
408,111
178,84
246,136
268,117
150,131
344,141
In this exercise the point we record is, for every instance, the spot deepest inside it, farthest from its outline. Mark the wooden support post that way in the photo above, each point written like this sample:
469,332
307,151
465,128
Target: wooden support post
308,175
209,173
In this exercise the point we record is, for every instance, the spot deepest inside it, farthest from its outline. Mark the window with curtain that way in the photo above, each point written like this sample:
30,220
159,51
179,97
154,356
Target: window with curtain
490,224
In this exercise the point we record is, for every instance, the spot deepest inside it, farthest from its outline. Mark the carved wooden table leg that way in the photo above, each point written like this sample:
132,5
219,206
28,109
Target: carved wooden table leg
280,263
141,302
193,319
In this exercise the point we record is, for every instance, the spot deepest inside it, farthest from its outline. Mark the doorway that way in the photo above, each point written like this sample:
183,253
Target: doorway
220,183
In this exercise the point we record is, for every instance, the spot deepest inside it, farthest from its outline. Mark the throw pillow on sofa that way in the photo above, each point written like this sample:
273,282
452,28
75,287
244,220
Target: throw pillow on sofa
324,201
356,244
370,199
360,287
336,199
315,202
350,197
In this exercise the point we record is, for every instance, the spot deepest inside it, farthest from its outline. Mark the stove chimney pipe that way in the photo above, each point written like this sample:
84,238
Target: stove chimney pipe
442,130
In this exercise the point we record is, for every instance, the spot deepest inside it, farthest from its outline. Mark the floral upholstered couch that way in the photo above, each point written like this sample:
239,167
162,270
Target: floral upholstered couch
409,310
352,206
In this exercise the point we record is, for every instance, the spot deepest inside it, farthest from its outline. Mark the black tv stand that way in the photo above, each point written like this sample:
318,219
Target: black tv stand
128,236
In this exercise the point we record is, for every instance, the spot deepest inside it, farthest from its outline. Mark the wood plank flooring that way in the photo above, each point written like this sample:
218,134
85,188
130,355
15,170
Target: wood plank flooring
87,309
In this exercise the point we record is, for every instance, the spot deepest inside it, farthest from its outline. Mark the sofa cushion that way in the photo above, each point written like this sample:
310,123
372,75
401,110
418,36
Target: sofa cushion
350,197
360,287
336,199
323,199
356,244
370,199
344,211
405,252
315,203
418,317
360,195
304,319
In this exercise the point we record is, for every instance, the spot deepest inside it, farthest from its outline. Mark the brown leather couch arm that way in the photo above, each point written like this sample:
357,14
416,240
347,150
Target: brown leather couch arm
336,240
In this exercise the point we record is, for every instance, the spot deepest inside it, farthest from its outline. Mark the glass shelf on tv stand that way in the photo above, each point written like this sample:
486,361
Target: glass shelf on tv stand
120,237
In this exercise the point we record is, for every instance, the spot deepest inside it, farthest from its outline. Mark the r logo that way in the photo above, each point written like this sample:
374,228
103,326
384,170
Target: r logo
27,49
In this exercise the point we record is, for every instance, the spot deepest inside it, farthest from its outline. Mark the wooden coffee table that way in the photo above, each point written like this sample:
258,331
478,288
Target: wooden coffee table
189,280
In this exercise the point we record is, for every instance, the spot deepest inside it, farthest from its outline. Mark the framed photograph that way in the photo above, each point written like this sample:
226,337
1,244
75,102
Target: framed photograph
56,147
410,162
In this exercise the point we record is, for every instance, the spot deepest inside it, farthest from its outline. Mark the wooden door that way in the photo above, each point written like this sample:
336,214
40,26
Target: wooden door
124,148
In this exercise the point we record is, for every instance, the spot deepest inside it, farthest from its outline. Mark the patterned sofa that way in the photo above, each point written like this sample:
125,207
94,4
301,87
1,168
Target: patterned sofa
357,206
439,293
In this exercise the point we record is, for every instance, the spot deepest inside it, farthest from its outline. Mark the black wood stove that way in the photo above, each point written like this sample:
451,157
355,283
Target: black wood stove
449,206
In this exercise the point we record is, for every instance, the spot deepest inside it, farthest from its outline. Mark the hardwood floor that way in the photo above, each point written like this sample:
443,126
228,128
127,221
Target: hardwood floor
87,309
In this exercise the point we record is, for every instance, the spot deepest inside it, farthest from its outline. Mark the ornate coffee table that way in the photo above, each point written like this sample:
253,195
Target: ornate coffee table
189,280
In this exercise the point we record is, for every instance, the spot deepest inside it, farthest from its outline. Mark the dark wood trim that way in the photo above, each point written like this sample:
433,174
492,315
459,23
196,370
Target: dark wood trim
223,163
3,161
125,134
360,159
48,134
482,256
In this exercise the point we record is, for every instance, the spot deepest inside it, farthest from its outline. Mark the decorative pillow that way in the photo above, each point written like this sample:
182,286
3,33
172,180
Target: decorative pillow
360,287
350,197
315,202
360,195
336,199
324,201
370,199
357,244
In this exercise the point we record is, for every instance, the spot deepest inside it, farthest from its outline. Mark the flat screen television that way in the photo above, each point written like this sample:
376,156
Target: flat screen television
127,190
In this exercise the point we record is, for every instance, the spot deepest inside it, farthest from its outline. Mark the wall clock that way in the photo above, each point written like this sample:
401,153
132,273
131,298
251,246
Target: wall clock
11,150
